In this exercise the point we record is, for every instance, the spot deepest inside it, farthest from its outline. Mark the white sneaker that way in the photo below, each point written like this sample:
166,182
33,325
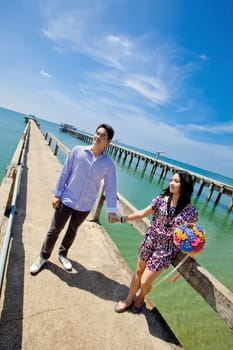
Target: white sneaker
37,265
65,262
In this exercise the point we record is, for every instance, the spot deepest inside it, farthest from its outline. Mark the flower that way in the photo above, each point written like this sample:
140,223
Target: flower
190,237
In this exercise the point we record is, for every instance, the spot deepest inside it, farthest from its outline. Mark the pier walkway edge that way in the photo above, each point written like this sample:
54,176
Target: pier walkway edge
57,309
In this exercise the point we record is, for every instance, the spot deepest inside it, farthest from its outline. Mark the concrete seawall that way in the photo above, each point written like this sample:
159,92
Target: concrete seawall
57,309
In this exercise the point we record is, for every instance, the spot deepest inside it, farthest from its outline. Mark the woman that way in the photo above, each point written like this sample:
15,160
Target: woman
170,209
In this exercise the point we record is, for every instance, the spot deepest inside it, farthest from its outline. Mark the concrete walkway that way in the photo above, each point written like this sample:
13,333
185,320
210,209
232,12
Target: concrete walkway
68,310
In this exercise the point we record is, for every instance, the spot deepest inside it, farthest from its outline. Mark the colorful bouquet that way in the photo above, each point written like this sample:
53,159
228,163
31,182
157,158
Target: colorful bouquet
190,238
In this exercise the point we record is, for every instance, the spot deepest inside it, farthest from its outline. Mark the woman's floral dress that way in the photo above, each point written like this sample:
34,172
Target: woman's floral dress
157,248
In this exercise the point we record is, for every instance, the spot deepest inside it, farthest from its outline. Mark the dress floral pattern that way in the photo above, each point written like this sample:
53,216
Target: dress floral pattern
157,248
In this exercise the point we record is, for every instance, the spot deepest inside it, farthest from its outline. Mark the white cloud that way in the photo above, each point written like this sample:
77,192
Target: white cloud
153,89
125,43
159,75
219,128
187,107
203,57
45,74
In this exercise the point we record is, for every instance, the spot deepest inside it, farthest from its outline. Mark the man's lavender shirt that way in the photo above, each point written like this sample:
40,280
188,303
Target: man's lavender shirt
80,179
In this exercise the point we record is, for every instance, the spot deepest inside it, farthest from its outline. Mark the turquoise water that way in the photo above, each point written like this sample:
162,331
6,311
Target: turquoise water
11,128
196,325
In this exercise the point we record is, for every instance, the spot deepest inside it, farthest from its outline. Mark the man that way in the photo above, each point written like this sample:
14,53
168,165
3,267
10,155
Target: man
76,192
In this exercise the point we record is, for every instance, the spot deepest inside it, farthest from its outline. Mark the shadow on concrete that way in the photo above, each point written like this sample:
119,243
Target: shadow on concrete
106,288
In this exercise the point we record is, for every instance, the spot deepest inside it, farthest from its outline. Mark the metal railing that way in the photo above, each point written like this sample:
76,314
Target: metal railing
10,187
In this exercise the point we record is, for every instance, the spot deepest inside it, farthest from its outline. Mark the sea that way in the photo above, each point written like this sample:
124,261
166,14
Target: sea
195,323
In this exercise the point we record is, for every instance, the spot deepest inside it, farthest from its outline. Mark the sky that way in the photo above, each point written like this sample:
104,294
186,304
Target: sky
159,71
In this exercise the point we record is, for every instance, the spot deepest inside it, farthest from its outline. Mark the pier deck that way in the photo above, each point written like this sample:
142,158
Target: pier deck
67,310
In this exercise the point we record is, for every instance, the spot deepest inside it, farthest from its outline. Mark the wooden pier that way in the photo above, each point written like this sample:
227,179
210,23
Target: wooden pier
152,164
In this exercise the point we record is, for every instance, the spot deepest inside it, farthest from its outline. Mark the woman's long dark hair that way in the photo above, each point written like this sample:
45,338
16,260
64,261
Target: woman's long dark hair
187,185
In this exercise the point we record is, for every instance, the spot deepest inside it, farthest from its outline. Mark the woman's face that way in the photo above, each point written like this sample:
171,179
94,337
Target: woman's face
174,185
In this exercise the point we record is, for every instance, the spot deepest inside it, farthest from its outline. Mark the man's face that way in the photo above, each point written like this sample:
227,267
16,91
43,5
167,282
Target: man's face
101,137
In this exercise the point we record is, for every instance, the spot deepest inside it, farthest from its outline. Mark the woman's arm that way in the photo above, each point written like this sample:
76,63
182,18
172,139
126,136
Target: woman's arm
139,214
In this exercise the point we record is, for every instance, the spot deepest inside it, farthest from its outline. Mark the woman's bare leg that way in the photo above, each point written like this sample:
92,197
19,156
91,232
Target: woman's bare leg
146,281
134,286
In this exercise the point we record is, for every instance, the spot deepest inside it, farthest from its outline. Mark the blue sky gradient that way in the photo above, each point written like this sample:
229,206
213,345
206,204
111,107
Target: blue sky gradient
160,72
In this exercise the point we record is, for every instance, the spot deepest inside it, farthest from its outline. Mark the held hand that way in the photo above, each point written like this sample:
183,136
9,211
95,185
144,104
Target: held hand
56,202
113,217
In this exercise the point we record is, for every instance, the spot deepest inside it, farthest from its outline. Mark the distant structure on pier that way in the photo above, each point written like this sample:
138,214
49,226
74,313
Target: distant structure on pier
32,117
68,128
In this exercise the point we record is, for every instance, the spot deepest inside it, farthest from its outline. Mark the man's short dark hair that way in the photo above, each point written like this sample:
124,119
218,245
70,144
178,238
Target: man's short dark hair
109,130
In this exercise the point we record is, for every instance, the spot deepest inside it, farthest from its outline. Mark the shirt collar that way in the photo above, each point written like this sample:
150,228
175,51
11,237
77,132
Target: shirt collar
103,154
